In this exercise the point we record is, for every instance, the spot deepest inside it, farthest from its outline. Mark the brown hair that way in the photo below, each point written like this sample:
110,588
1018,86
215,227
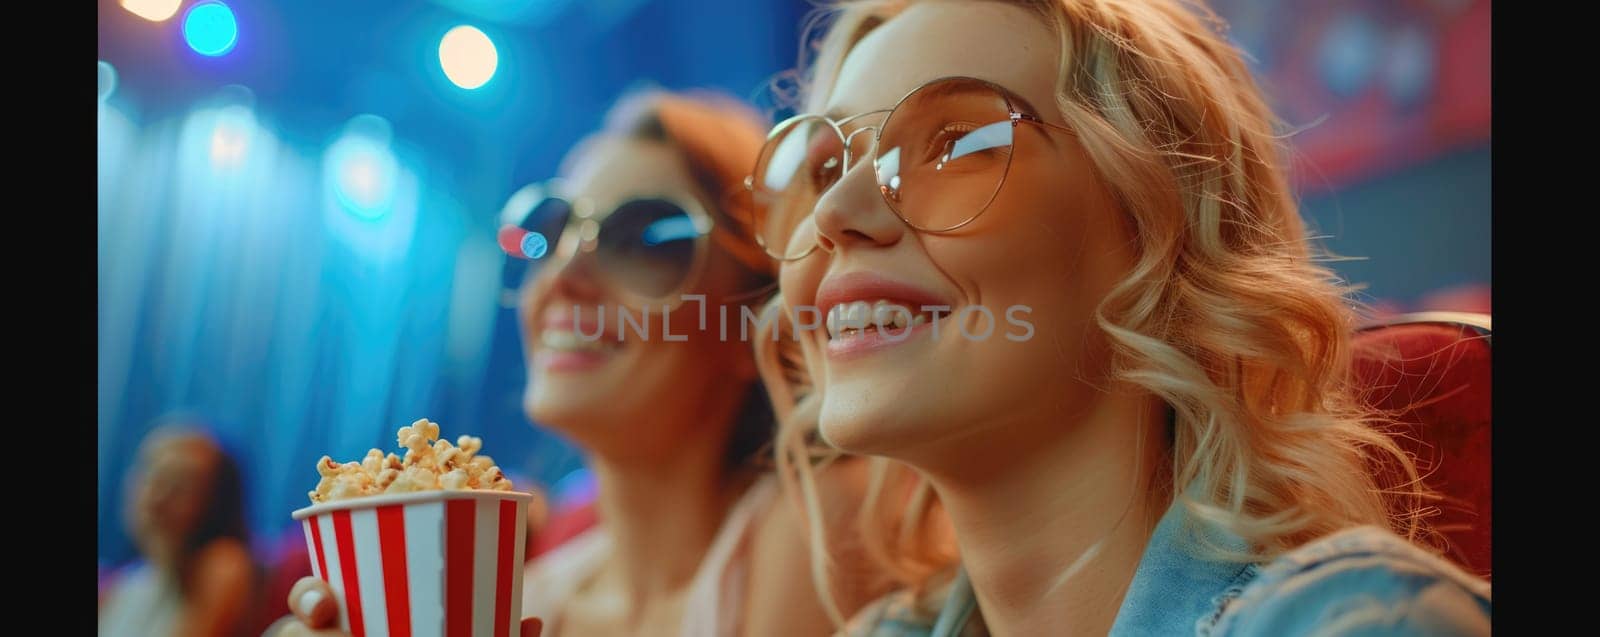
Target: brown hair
718,139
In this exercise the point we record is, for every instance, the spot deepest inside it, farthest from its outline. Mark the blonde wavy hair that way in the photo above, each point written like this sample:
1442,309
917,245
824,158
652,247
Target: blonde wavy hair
1228,315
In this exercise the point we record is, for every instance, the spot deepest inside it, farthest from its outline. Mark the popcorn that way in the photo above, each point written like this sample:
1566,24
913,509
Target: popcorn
414,478
429,464
462,528
373,463
448,457
469,445
455,480
387,477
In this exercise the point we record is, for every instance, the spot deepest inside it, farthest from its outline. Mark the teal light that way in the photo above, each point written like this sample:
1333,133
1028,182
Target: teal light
210,29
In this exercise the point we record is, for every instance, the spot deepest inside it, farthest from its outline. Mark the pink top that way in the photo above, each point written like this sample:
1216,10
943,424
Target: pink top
714,600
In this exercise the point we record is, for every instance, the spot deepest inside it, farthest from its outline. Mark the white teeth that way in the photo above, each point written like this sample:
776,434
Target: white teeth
849,318
558,340
857,315
883,314
567,341
888,315
899,320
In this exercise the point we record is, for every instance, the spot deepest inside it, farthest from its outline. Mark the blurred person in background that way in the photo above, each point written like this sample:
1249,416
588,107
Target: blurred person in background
186,516
676,430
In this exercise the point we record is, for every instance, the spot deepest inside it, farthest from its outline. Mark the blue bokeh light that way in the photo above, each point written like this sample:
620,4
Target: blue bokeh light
363,172
210,29
362,168
1347,58
108,80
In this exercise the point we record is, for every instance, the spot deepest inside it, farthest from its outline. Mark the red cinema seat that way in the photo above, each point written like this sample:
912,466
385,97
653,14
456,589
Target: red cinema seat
284,562
1432,372
564,524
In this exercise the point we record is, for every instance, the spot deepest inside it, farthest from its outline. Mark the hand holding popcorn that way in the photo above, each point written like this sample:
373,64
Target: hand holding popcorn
430,542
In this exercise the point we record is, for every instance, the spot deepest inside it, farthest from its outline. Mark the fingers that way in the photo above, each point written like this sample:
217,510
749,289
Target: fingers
315,612
291,627
313,604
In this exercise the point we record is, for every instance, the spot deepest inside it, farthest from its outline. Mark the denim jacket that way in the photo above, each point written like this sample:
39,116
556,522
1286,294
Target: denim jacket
1360,581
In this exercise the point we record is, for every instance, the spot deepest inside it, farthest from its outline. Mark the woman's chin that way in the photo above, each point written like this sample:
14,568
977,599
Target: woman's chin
863,433
554,403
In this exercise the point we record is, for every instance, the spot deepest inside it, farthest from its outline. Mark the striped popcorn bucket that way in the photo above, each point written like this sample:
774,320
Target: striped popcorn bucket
425,564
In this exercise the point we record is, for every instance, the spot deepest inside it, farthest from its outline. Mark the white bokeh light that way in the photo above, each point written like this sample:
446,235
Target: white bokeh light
468,57
152,10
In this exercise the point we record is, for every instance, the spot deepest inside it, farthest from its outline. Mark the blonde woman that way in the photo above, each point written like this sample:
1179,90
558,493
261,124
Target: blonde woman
1067,286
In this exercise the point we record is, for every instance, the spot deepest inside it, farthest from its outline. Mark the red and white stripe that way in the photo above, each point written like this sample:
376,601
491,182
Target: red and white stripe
448,568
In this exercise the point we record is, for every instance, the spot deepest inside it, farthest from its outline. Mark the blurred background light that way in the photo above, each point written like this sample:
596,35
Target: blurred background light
210,29
363,168
152,10
108,80
1349,53
231,135
1409,72
468,57
372,197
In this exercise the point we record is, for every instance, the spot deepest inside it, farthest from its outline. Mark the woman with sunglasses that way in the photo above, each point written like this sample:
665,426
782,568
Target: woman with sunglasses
631,257
1171,445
